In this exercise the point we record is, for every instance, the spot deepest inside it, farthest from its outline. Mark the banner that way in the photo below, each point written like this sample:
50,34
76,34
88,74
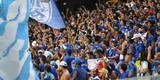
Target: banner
46,12
92,64
15,60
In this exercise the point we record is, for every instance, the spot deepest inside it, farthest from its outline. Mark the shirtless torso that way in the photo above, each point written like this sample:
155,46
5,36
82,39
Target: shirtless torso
65,75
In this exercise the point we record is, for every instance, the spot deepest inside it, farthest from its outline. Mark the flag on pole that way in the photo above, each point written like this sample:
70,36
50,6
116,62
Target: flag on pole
15,60
46,12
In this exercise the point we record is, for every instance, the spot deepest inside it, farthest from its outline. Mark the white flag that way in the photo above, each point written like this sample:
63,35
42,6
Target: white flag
15,61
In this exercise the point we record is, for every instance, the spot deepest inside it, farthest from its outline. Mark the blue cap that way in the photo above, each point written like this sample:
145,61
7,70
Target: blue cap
121,36
53,63
152,18
77,61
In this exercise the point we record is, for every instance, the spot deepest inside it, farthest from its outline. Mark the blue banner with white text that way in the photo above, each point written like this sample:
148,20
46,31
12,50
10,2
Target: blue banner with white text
46,12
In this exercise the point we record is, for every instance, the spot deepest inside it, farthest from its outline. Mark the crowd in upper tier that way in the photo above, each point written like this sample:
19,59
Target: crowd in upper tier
123,39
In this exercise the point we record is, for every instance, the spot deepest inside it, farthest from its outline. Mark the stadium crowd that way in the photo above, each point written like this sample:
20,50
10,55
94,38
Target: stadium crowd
123,40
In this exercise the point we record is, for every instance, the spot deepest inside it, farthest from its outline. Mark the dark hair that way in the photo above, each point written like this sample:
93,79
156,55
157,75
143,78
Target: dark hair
69,52
90,53
130,40
47,67
123,67
44,59
37,60
139,25
66,38
97,39
36,66
106,43
60,55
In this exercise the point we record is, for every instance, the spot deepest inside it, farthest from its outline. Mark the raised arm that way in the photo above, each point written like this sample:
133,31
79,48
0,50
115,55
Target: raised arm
149,55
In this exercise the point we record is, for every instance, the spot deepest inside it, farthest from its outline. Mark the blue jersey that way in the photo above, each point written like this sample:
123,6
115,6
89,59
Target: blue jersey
139,49
82,74
48,76
131,68
123,75
112,52
68,60
53,71
84,64
155,65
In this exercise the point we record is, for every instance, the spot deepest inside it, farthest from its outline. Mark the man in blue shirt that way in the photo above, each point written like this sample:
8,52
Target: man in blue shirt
123,71
68,59
84,61
154,61
150,37
78,72
47,75
97,44
112,51
53,71
140,48
123,27
131,68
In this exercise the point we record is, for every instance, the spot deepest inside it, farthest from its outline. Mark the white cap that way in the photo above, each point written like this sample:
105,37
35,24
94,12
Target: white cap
40,51
132,4
63,63
34,44
144,36
136,36
144,64
47,53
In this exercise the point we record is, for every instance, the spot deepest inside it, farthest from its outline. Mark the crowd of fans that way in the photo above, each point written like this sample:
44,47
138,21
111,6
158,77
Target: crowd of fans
124,39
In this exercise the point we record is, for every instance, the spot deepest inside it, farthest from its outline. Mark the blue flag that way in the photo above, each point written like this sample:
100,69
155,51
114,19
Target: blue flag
46,12
15,60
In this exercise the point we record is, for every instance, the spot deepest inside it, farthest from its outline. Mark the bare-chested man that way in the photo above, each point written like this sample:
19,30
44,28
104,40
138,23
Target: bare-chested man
65,74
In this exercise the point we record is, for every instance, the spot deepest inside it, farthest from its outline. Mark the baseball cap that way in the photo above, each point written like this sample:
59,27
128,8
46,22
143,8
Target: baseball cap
152,18
136,36
40,51
34,44
144,64
63,63
53,63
